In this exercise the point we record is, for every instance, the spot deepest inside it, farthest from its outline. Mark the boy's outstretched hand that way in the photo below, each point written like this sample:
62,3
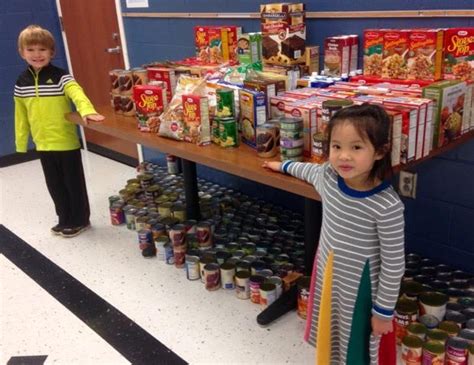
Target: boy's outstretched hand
272,165
93,117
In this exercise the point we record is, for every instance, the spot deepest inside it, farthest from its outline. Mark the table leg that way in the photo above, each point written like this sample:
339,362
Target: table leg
191,189
288,300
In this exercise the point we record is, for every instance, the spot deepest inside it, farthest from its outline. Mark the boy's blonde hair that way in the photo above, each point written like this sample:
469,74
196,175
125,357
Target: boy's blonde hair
33,35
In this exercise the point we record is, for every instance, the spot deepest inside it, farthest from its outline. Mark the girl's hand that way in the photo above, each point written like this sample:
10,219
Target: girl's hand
272,165
381,326
93,118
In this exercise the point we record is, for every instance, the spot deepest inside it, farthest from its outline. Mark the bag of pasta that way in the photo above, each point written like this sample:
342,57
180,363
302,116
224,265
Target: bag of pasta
172,120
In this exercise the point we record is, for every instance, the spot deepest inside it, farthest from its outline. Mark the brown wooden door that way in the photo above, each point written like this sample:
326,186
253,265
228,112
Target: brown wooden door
91,26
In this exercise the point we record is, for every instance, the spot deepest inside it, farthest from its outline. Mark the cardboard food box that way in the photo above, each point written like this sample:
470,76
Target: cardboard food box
166,75
252,114
468,117
304,110
448,97
312,58
354,57
284,33
458,54
150,102
395,50
216,44
425,55
197,128
265,86
337,52
249,48
396,119
278,103
373,52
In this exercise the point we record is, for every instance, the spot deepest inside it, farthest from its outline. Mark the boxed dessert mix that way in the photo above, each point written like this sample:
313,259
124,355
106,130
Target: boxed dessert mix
283,33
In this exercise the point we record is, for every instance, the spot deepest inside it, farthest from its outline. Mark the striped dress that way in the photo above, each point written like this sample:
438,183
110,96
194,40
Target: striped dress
358,266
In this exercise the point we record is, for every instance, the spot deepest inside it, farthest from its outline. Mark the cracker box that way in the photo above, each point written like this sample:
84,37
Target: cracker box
458,54
395,49
373,52
448,97
249,48
252,114
150,102
283,33
197,128
425,55
337,52
166,75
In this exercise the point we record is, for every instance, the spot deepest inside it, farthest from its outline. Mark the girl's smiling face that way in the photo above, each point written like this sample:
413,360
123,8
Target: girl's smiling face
352,156
37,56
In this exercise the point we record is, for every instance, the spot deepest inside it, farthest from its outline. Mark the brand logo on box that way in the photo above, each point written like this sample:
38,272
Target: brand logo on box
418,36
296,113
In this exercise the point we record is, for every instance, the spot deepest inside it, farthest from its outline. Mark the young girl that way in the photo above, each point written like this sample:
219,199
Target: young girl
360,259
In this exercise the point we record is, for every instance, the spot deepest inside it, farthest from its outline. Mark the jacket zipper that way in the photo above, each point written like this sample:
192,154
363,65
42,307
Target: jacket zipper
36,77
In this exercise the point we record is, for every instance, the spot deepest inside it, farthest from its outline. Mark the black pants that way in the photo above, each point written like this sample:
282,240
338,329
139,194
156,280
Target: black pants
67,186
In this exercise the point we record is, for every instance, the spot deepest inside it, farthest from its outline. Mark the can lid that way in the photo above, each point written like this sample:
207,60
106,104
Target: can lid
457,343
267,286
412,341
434,347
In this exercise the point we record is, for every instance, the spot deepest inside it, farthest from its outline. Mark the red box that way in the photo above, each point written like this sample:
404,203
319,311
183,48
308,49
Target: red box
426,54
150,102
458,54
165,75
373,52
197,127
395,49
337,53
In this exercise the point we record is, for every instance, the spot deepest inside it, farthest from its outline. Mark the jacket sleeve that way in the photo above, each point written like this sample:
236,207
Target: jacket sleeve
75,92
390,228
22,126
310,172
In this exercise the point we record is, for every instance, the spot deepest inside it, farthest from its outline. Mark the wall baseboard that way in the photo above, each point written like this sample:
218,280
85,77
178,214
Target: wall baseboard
16,158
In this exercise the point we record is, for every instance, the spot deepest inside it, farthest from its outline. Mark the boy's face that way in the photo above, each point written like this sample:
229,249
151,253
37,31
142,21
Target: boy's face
37,56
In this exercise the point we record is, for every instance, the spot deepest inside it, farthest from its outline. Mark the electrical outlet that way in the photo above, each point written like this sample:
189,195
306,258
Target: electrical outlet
407,184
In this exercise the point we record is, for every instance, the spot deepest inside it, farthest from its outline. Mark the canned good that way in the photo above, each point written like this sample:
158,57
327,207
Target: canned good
164,209
450,327
227,271
228,132
303,284
179,253
225,103
291,143
291,124
267,294
130,218
412,348
177,234
117,216
266,140
160,243
203,261
215,131
456,317
179,212
467,334
287,153
456,351
192,267
406,312
436,334
203,234
158,230
429,320
113,199
211,276
278,284
417,329
173,164
242,288
433,303
433,353
471,354
169,254
255,281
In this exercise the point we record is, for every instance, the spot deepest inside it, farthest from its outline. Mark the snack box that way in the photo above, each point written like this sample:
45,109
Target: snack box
252,114
373,52
283,33
448,97
150,102
166,75
395,49
197,128
458,54
249,48
216,44
425,54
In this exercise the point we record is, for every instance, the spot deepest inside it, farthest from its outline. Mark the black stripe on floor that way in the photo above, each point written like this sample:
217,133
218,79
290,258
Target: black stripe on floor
124,335
27,360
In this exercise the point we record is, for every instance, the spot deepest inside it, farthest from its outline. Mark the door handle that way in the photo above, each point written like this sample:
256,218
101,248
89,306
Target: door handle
113,50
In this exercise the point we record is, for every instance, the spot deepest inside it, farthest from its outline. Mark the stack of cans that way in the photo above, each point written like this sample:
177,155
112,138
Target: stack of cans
291,139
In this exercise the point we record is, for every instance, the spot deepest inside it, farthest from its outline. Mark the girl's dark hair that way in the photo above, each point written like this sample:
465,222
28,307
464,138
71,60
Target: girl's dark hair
373,123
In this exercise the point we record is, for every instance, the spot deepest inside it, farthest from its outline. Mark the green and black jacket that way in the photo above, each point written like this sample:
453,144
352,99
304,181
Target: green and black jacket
41,101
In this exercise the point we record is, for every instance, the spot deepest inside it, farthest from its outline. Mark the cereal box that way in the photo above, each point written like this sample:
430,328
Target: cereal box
197,127
459,54
337,52
216,44
252,114
425,54
249,48
395,49
448,97
149,104
166,75
284,33
373,52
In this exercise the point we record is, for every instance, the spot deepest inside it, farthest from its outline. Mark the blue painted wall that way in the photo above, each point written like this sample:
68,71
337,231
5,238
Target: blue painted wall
439,222
14,16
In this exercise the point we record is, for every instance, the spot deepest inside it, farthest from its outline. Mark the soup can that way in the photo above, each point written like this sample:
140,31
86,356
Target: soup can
145,238
242,288
179,253
303,284
255,281
227,275
160,243
450,327
192,268
433,353
203,234
203,261
412,349
169,255
177,234
433,303
278,282
225,103
267,294
456,351
417,329
211,276
266,140
406,312
436,334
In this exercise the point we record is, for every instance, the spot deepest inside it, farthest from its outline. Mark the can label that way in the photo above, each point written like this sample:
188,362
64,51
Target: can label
402,321
215,131
430,358
411,355
145,238
242,289
228,133
203,234
303,295
225,103
179,253
169,256
172,163
267,297
192,269
116,215
255,293
456,356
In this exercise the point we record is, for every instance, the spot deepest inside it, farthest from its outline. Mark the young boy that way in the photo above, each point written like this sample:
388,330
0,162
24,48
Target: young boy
42,98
